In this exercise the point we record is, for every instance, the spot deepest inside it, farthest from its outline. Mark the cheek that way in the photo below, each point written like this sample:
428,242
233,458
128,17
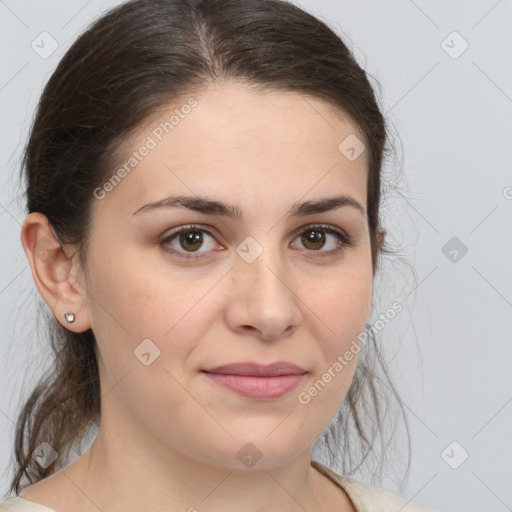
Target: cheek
144,339
143,309
342,307
339,309
325,391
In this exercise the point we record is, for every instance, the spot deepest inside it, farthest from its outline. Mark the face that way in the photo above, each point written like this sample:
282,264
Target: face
261,280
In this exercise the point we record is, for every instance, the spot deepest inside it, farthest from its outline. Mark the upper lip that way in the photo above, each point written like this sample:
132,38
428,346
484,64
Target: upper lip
258,370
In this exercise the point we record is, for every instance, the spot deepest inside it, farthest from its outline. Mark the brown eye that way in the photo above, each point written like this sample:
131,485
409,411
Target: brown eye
315,238
189,239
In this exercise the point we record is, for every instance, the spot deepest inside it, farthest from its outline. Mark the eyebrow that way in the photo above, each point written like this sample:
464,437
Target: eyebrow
211,207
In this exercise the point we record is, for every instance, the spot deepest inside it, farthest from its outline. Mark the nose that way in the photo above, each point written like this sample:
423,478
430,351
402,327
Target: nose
263,298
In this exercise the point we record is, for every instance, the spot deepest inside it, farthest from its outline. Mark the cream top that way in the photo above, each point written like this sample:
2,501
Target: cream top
366,498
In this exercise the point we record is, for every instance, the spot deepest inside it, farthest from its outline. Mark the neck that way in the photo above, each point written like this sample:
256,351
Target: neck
143,474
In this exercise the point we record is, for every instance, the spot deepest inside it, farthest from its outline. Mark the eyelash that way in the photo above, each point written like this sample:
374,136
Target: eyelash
345,240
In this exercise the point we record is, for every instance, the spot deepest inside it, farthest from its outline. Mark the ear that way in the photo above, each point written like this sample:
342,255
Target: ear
55,271
381,234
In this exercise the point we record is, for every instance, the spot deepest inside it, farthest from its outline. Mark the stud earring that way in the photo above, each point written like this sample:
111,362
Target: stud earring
70,317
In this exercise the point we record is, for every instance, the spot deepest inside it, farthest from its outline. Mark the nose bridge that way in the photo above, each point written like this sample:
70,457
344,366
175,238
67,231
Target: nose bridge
264,287
262,264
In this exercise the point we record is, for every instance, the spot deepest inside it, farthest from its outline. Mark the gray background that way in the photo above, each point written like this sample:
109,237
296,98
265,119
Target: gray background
450,348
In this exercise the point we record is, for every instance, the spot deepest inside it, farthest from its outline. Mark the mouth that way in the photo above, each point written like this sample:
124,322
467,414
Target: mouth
258,370
257,381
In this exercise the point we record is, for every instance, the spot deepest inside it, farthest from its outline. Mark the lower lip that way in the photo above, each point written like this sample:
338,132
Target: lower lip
258,387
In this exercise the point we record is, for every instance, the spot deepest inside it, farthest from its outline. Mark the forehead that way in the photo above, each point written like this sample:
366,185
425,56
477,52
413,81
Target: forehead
232,139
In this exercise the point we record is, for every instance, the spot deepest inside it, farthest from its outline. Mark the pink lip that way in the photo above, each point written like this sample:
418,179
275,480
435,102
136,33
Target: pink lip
254,380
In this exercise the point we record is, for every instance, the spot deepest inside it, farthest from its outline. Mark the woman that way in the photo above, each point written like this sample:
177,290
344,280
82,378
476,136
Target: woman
203,186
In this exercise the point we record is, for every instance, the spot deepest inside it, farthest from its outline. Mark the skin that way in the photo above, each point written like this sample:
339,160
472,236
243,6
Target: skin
168,434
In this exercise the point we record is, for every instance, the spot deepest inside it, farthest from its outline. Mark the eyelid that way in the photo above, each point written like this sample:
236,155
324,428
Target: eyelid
326,227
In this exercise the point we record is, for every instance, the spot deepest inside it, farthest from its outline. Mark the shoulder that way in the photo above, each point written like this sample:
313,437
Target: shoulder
367,498
19,504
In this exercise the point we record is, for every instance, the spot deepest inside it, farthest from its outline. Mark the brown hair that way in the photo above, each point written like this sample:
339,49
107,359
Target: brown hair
129,63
